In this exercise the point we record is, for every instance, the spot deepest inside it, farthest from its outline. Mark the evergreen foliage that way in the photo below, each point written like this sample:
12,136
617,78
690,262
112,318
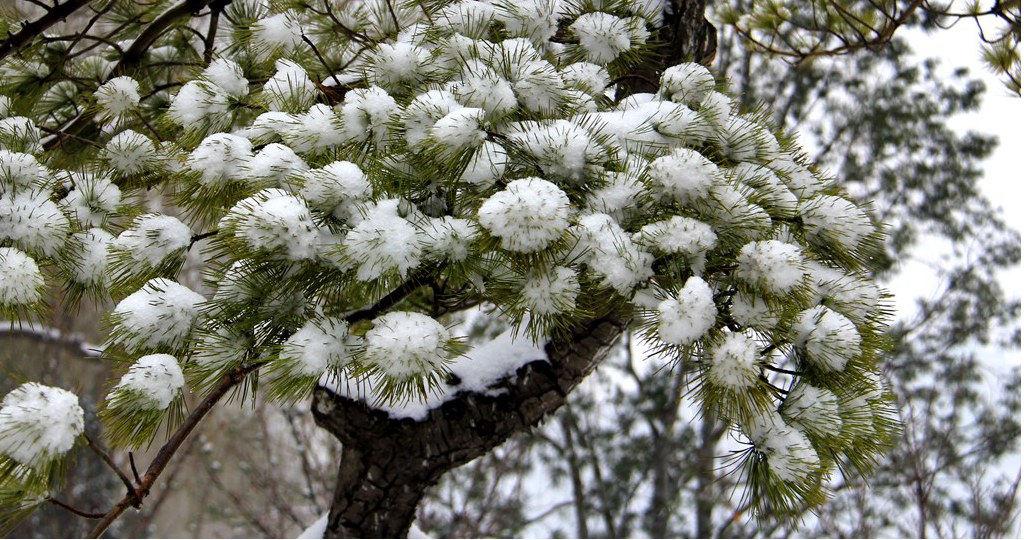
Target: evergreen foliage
350,175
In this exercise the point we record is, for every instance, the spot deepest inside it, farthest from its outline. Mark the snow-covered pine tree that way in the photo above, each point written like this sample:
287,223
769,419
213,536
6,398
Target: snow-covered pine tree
351,175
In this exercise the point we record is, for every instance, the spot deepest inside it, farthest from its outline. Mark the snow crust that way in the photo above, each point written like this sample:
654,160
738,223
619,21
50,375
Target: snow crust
684,175
152,239
751,310
527,216
198,103
562,149
830,338
405,345
488,164
130,152
318,345
734,362
552,291
281,31
602,36
679,234
449,238
689,315
835,219
93,199
221,158
476,371
20,171
815,409
289,89
687,83
611,253
118,96
276,221
33,223
228,75
383,241
337,184
790,454
773,265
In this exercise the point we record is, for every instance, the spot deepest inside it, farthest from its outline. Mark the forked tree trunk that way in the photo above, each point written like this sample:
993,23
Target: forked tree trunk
387,464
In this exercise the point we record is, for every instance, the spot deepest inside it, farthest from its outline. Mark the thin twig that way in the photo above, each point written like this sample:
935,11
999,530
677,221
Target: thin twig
142,118
211,34
414,282
321,59
770,367
110,463
61,134
135,470
203,236
73,510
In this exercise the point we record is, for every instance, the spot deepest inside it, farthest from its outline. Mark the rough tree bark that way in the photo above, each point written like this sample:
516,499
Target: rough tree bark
387,464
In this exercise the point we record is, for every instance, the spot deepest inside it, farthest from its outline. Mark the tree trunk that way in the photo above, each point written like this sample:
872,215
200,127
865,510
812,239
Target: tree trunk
387,464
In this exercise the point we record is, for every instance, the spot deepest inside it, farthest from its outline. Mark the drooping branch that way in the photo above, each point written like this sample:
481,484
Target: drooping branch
137,492
44,334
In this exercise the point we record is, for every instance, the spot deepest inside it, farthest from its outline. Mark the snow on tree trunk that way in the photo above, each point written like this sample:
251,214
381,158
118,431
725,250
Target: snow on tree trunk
388,463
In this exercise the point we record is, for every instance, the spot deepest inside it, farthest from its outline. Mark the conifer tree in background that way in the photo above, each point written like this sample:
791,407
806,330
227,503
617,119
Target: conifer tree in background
354,177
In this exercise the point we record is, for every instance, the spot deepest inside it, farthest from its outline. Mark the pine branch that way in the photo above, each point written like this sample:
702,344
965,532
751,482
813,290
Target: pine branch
132,58
170,448
130,62
414,282
30,31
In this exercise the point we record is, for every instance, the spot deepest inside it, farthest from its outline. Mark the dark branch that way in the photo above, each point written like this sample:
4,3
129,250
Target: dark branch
132,58
29,32
73,510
